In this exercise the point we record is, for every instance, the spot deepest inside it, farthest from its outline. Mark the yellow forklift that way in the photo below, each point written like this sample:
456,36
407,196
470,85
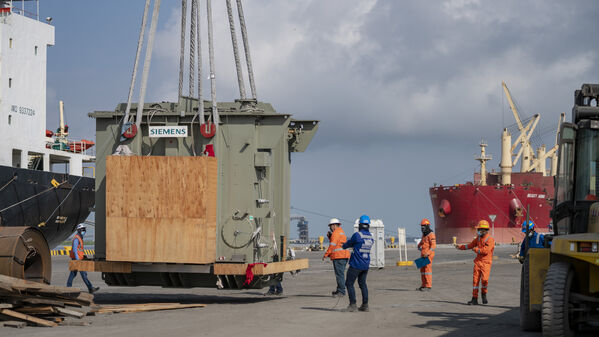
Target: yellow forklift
559,291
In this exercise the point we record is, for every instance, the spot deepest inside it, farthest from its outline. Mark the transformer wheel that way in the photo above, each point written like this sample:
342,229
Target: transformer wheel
556,301
529,320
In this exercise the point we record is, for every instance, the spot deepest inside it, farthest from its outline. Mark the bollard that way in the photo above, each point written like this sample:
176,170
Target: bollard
455,240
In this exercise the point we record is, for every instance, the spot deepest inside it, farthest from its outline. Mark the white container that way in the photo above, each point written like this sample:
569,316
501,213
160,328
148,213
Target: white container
377,253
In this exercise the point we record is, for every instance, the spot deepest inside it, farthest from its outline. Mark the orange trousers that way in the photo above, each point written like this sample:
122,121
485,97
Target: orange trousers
426,274
480,275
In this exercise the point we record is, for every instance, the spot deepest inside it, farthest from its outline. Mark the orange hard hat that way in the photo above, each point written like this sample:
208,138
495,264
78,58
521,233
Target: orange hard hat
483,224
425,222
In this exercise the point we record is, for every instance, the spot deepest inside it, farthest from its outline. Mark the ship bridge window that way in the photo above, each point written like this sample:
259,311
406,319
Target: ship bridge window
587,168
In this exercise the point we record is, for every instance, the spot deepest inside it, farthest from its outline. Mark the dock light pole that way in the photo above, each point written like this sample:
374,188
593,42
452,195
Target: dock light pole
492,217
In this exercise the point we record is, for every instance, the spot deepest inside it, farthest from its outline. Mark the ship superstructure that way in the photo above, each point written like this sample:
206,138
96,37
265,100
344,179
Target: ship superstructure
503,198
43,191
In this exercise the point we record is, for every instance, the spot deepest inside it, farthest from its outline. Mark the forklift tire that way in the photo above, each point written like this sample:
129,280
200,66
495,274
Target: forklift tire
556,295
530,320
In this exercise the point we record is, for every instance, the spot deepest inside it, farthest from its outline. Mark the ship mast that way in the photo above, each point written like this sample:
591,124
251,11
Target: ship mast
483,158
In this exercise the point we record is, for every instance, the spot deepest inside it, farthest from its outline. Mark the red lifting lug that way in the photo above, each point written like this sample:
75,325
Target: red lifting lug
208,130
130,132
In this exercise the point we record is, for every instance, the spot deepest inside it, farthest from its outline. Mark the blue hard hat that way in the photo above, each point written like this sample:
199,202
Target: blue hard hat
529,223
365,219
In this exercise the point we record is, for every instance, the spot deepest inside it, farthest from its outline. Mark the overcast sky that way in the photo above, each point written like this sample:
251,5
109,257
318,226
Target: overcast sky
404,90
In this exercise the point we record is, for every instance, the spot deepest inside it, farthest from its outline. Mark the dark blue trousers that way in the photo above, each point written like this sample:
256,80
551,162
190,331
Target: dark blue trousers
352,275
339,266
83,276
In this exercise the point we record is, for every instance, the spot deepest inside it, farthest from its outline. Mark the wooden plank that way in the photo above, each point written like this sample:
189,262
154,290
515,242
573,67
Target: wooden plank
70,313
45,310
166,213
5,305
100,266
13,324
131,308
271,268
27,318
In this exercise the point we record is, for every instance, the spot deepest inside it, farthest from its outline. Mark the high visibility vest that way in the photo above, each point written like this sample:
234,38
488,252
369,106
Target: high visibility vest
335,250
79,248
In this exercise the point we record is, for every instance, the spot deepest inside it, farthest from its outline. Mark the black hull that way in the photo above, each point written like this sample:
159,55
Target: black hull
61,208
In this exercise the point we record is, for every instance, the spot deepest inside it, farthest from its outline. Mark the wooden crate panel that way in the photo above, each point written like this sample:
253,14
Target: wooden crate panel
161,209
271,268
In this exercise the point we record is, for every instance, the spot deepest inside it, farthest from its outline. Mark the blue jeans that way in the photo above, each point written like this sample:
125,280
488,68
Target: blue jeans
277,289
339,266
83,276
352,275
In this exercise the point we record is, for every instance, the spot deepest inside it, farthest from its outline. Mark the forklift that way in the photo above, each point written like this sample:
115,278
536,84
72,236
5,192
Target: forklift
559,288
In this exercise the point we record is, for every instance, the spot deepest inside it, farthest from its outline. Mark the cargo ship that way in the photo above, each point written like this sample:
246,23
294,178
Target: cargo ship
44,192
504,198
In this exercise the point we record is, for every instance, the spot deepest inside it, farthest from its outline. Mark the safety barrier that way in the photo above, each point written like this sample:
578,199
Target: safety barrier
56,252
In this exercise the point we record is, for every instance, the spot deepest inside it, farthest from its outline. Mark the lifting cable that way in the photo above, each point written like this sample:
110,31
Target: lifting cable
246,47
147,61
236,51
182,49
214,116
140,41
33,196
63,200
8,183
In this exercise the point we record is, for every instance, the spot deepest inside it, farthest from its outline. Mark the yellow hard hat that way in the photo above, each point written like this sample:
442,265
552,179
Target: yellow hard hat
425,222
483,224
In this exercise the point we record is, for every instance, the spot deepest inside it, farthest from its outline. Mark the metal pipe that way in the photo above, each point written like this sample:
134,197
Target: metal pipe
148,60
236,51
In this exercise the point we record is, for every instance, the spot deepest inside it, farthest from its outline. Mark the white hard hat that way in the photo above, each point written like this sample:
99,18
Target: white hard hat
334,221
80,226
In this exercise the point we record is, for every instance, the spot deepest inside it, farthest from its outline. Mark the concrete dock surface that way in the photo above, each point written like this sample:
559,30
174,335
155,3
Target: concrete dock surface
307,308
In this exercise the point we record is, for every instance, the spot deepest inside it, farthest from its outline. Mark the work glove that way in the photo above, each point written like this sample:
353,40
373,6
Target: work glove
521,259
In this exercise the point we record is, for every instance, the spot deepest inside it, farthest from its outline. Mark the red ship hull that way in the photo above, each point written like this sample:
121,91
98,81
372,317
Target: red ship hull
458,208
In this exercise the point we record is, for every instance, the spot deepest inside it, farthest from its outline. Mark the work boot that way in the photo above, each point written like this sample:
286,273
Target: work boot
351,308
364,307
93,289
473,301
424,289
485,299
337,293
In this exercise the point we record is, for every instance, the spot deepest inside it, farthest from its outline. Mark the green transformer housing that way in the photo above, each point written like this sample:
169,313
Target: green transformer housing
252,144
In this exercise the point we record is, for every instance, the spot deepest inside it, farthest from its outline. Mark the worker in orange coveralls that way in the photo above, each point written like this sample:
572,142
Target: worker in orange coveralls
483,245
427,246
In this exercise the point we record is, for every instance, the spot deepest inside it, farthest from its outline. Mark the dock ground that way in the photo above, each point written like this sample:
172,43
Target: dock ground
307,309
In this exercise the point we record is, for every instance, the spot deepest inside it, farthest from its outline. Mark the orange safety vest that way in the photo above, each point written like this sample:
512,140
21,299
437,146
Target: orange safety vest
80,252
483,247
427,246
335,250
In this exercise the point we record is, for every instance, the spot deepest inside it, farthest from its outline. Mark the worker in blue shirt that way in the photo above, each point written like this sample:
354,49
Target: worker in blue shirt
359,262
535,240
78,253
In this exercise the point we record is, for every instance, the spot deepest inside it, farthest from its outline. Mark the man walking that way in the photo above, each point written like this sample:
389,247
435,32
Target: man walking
359,262
77,253
483,245
427,246
337,254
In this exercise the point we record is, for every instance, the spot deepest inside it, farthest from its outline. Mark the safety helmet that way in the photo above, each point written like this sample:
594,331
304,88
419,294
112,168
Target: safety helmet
529,224
365,219
80,226
483,224
334,221
425,222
